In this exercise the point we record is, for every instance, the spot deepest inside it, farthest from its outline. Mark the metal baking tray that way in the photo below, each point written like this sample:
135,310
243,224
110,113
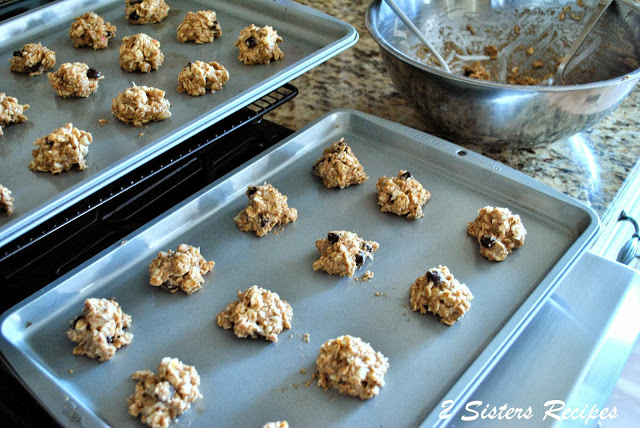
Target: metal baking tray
250,382
310,37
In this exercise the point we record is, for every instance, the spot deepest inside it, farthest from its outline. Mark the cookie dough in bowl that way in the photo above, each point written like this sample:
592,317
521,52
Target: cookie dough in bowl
145,11
497,231
199,77
32,58
140,52
139,105
91,30
75,80
61,150
11,111
199,27
258,45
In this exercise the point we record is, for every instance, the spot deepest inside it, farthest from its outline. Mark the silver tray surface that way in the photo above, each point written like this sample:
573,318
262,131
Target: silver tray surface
310,38
250,382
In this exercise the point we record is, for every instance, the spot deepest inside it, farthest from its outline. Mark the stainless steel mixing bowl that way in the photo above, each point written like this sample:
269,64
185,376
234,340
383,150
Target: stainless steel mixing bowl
466,110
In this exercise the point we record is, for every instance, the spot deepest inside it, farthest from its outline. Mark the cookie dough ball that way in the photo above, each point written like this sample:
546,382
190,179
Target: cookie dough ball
199,27
258,45
6,200
11,111
498,232
438,292
199,77
339,167
160,398
351,366
402,195
267,208
60,150
145,11
182,269
75,80
141,104
140,53
33,58
342,252
99,330
257,312
91,30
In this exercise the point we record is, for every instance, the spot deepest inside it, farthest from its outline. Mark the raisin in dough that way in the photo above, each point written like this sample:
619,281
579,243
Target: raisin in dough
258,45
140,53
438,292
199,77
91,30
267,208
351,366
199,27
497,231
342,252
6,200
99,331
139,105
60,150
32,58
182,269
11,111
75,80
402,195
339,167
145,11
257,312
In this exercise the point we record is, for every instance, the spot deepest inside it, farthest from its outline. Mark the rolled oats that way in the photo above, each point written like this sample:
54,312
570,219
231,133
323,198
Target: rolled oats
6,200
99,330
61,149
199,27
32,58
498,232
351,366
257,312
339,167
267,208
141,104
145,11
438,292
342,252
91,30
140,52
199,77
160,398
258,45
11,111
182,269
75,80
403,195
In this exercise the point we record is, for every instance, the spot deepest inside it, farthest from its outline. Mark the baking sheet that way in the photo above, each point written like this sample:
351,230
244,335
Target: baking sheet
251,382
310,37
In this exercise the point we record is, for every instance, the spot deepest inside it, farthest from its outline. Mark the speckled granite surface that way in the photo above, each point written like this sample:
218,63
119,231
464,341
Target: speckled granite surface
590,166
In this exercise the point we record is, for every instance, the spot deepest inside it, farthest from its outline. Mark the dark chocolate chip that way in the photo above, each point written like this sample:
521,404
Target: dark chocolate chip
133,16
435,276
406,175
251,190
92,73
487,241
17,53
109,339
333,237
367,247
359,259
109,34
251,42
264,221
36,67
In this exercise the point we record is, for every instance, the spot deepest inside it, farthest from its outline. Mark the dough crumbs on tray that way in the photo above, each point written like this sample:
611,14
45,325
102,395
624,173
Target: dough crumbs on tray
99,329
6,200
277,424
199,27
402,195
258,45
342,252
199,77
145,11
60,150
182,269
438,292
32,58
160,398
75,80
140,52
339,167
139,105
351,366
257,312
497,231
91,30
267,208
102,122
11,111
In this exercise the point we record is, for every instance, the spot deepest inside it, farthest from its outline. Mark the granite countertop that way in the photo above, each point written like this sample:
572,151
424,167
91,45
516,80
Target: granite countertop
590,166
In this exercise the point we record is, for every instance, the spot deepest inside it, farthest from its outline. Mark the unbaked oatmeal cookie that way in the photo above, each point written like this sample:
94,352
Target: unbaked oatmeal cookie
140,52
402,195
6,200
99,330
75,80
257,312
32,58
182,269
258,45
497,231
339,167
91,30
267,208
139,105
199,27
11,111
351,366
145,11
160,398
342,252
60,150
438,292
199,77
